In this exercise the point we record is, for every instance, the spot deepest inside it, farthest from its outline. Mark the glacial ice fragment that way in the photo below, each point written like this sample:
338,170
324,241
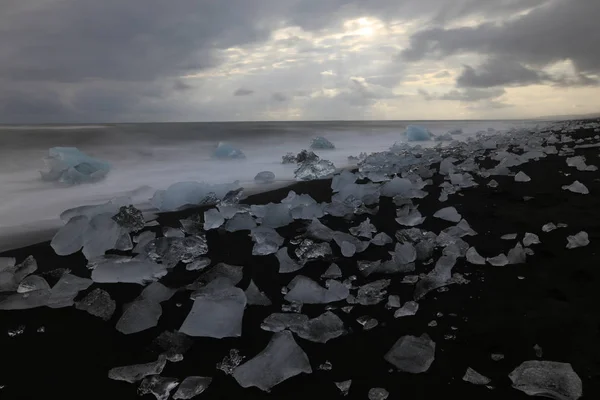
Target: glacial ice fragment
415,133
333,272
321,329
127,270
305,290
266,241
448,214
71,166
367,322
264,177
408,309
414,218
412,354
213,219
364,230
145,311
530,239
344,386
66,289
378,394
499,261
517,255
308,171
255,297
278,322
230,362
185,194
98,303
286,264
577,187
240,222
509,236
579,240
549,227
320,143
101,235
579,163
69,238
191,387
198,264
475,377
32,283
397,187
474,257
227,151
316,230
11,276
159,386
522,177
440,276
130,218
372,293
550,379
279,361
136,372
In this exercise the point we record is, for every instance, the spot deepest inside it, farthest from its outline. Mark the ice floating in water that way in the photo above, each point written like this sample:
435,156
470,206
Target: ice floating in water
117,269
305,290
322,329
448,214
225,150
378,394
499,261
186,194
264,177
522,177
579,240
191,387
213,219
255,297
311,170
412,354
280,360
217,312
416,133
266,241
144,312
321,143
408,309
70,166
98,303
474,257
530,239
475,377
137,372
547,379
576,187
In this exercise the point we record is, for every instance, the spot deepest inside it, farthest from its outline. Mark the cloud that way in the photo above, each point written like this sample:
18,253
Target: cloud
442,74
279,97
472,95
499,72
243,92
179,85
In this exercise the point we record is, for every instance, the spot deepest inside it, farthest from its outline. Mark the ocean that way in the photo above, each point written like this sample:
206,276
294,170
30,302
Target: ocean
150,157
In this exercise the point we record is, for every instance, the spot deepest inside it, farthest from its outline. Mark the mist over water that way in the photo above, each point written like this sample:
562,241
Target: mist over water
149,157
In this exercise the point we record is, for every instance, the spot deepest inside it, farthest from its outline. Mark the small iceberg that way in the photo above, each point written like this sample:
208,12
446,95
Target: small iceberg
71,166
416,133
264,177
320,143
225,150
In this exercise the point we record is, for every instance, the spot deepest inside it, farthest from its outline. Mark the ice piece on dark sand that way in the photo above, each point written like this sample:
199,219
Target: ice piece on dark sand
577,187
475,377
409,308
278,322
230,362
333,272
522,177
159,386
448,214
98,303
579,240
344,386
378,394
130,218
69,238
474,257
255,297
191,387
412,354
321,329
305,290
286,264
134,373
550,379
498,261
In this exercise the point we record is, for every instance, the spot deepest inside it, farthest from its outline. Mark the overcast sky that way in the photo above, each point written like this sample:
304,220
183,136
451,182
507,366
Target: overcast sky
203,60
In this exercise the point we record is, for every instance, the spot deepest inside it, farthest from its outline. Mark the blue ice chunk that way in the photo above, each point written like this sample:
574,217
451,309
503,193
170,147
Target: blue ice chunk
225,150
71,166
320,143
416,133
186,194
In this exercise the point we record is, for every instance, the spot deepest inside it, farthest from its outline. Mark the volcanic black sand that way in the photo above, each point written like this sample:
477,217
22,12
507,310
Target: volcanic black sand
553,301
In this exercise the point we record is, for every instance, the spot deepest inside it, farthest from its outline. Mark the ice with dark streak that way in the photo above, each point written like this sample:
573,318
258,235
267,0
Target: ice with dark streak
412,354
280,360
549,379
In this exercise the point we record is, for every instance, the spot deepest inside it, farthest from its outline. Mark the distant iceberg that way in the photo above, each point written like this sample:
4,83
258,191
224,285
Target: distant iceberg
320,143
416,133
185,194
225,150
71,166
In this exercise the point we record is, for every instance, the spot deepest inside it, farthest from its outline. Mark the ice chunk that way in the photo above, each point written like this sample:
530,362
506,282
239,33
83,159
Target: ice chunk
130,218
576,187
124,242
320,143
255,297
550,379
71,166
393,302
474,257
225,150
372,293
412,354
159,386
446,137
198,264
7,262
367,322
69,239
415,133
348,249
413,218
230,362
24,301
305,290
266,241
98,303
32,283
232,274
409,308
530,239
499,261
353,245
522,177
278,322
316,230
308,171
475,377
538,351
322,329
341,180
170,251
440,276
509,236
134,373
286,264
186,194
145,311
308,250
172,232
142,240
579,240
273,215
378,394
344,386
493,184
364,230
101,235
264,177
66,289
11,276
397,187
381,239
213,219
405,253
217,312
448,214
579,163
306,156
333,272
517,255
288,158
127,270
240,222
549,227
191,387
279,361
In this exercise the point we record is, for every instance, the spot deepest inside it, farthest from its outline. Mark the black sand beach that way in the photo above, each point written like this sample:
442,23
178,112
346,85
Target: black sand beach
551,301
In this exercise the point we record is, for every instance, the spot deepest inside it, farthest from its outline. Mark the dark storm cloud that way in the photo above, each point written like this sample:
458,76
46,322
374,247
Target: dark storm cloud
499,72
243,92
557,31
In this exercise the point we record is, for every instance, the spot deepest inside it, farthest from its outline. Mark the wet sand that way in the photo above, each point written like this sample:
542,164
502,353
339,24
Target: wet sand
551,301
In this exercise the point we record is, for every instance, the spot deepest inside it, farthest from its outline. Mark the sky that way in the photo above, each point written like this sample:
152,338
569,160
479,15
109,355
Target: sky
77,61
